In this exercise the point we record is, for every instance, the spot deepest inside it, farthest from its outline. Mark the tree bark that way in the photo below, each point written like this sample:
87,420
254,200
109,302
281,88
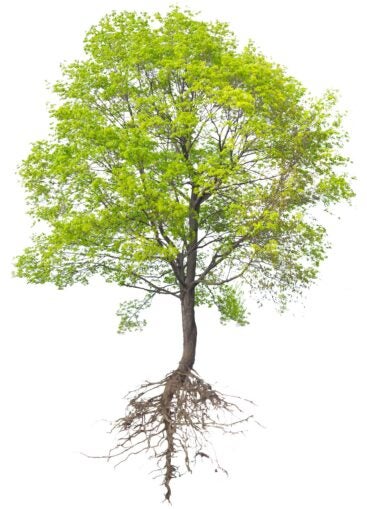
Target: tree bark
189,330
188,290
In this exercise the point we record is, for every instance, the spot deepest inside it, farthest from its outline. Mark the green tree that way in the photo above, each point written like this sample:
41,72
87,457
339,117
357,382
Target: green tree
181,165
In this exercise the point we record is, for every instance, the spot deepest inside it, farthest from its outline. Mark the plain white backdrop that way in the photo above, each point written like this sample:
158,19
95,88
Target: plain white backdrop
63,367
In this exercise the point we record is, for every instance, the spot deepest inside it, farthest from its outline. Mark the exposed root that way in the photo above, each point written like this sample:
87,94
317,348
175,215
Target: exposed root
170,420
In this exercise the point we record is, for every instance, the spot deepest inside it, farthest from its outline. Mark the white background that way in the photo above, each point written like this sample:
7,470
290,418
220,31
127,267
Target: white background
63,367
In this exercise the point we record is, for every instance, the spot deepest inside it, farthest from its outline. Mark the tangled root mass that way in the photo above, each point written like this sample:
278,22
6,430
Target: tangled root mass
170,420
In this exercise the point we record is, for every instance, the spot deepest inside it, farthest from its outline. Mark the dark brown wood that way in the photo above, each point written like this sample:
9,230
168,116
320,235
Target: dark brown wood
189,330
188,290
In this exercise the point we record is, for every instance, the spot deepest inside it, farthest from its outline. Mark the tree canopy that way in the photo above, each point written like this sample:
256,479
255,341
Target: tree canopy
164,124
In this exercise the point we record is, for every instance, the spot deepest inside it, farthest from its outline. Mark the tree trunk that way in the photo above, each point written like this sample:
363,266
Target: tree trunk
188,290
189,330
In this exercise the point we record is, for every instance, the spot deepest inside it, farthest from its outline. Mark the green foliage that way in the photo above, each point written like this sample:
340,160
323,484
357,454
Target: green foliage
230,306
168,141
129,313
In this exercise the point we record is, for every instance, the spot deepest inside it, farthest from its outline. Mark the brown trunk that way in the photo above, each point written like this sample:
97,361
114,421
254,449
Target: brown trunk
189,330
188,291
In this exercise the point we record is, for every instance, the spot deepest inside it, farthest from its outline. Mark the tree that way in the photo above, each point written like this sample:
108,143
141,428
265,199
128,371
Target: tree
178,164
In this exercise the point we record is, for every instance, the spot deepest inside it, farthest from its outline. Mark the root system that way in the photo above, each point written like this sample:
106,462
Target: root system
170,421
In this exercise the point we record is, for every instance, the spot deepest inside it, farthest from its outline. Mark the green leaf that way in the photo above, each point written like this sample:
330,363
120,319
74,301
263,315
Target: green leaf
129,314
231,307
